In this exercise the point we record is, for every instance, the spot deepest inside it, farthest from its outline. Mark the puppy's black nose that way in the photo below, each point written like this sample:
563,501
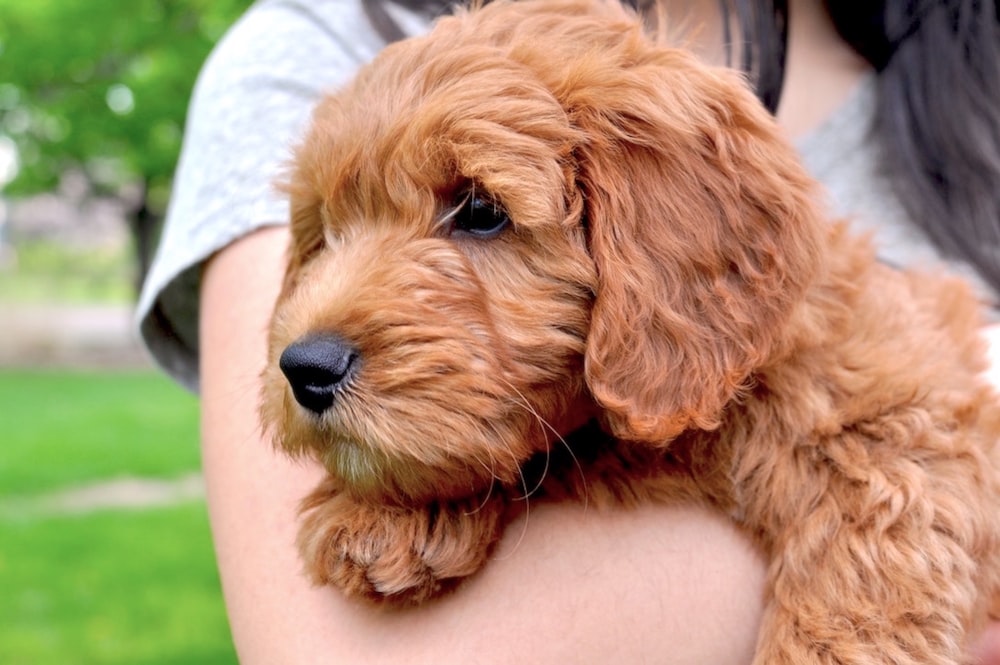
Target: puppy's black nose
315,367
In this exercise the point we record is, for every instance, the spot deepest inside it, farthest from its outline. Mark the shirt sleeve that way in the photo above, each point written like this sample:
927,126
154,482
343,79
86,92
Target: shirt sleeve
250,104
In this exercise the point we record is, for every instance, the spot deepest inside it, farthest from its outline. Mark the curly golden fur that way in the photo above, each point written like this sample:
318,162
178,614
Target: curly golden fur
546,253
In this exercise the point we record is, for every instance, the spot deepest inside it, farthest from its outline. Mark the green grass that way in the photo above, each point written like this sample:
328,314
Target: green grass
46,271
111,588
68,428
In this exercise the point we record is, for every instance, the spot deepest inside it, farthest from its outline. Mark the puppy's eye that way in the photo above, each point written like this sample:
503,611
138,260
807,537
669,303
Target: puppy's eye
479,216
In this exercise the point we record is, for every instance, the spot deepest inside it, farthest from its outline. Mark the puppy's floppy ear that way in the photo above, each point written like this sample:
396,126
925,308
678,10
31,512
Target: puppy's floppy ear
306,229
301,184
703,229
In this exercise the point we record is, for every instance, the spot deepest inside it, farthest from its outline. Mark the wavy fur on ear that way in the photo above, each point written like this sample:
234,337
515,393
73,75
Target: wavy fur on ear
703,227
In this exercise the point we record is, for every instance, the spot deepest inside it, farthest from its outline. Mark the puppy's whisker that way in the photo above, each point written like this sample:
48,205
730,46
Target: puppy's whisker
527,507
491,468
523,401
486,499
524,529
520,474
538,483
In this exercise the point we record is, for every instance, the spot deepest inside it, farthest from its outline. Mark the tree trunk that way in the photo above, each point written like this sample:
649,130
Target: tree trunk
144,224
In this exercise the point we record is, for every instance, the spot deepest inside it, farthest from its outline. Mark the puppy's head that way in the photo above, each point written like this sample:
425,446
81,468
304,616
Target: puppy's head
532,209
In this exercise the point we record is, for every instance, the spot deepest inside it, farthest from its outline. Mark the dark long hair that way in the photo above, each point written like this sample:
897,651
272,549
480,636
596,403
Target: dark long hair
764,35
937,119
938,114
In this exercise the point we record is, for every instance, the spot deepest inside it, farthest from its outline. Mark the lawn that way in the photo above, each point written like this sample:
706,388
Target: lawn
111,586
66,428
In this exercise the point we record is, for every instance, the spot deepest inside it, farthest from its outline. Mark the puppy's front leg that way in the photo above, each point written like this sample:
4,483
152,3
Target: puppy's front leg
397,554
880,554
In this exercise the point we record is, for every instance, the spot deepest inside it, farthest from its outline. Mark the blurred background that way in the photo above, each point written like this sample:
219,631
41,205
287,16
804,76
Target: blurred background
105,552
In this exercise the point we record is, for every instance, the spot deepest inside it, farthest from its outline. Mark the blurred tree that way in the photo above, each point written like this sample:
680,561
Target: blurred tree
102,87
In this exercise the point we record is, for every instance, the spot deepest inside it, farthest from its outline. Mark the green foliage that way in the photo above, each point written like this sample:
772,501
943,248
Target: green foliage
102,85
68,428
112,588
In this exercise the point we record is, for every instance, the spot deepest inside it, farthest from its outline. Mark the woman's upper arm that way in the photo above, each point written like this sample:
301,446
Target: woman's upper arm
252,491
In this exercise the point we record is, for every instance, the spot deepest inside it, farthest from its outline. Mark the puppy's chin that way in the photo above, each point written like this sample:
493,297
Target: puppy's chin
367,472
362,468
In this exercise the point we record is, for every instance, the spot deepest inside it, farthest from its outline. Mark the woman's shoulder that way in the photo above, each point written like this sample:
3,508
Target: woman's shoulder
279,58
294,38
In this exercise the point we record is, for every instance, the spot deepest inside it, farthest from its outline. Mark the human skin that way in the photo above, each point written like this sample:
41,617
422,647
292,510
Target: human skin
663,584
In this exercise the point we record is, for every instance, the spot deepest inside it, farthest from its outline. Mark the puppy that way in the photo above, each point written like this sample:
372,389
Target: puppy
538,250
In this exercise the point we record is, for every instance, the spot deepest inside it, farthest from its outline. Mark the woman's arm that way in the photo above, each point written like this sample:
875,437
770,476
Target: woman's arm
568,586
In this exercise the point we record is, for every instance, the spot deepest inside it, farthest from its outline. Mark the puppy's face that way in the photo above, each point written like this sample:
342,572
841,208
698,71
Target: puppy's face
440,270
496,224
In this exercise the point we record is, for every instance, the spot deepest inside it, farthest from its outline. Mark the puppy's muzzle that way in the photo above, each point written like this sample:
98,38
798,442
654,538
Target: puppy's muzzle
317,368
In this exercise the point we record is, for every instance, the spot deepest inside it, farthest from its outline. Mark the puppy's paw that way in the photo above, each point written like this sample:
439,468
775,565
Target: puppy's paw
395,554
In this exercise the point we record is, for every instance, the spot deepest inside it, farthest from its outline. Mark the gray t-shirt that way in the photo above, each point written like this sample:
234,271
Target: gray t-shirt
254,97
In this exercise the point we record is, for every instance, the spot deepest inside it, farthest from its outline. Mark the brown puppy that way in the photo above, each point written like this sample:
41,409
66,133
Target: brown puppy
537,216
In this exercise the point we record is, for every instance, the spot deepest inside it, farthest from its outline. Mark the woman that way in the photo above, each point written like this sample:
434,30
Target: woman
661,584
